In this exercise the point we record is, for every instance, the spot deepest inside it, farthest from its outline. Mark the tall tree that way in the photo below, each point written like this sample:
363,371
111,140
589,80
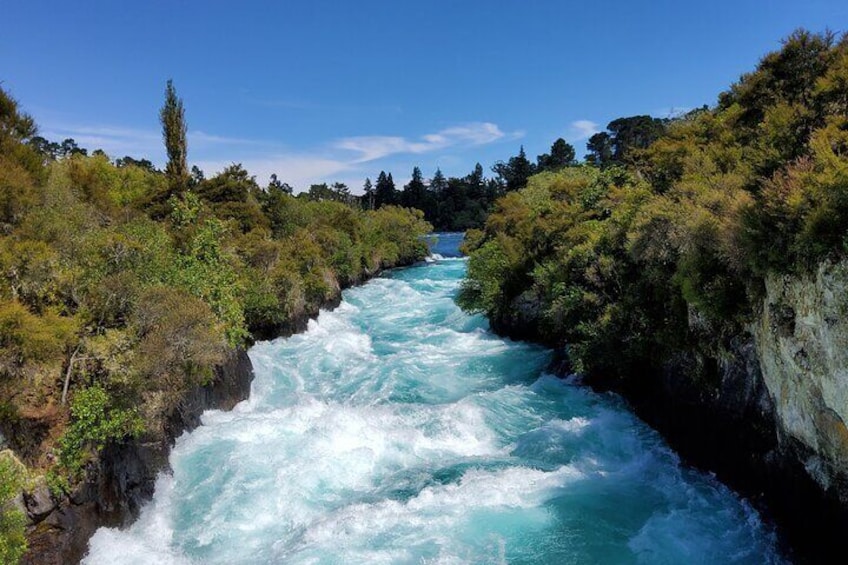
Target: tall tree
439,183
385,192
600,149
561,155
515,172
368,198
276,184
172,116
415,192
622,140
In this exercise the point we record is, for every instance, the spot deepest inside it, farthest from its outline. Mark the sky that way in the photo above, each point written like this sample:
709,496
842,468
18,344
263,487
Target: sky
320,91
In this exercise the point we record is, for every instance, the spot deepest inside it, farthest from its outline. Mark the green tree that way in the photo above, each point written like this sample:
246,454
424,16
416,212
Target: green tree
623,139
515,172
385,193
172,117
414,193
368,195
600,149
277,184
561,155
438,183
12,520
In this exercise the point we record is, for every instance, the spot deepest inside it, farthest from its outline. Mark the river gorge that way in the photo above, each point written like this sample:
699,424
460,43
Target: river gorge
398,429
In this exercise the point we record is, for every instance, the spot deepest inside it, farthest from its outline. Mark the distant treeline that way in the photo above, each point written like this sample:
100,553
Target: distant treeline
462,203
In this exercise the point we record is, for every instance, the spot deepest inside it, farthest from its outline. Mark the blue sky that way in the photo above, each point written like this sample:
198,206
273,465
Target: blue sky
324,91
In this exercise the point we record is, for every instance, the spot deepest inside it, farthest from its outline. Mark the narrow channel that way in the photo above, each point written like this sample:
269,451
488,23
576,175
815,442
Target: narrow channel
399,429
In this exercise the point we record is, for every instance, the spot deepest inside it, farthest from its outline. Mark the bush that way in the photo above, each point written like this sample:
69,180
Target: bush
12,519
95,421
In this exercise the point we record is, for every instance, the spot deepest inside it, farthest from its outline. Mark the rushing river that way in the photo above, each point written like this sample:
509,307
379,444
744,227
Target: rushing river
398,429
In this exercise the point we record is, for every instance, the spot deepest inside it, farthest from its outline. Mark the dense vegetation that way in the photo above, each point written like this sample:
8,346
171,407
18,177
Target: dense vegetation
666,234
462,203
122,286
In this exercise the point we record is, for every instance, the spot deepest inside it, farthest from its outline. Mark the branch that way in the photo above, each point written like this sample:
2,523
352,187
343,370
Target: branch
68,373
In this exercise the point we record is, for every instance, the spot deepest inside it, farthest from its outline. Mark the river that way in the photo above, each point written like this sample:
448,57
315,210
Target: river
398,429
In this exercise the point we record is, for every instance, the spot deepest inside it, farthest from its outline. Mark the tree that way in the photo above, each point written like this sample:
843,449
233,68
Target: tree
515,172
69,147
600,149
234,194
276,184
13,123
623,138
385,192
145,164
21,165
439,183
197,175
415,192
561,155
368,191
635,132
172,116
49,149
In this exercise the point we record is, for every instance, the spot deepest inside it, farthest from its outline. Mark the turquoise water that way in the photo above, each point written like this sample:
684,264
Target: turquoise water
398,429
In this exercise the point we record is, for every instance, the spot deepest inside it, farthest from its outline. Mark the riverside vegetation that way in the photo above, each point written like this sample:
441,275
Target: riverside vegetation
697,266
612,258
659,243
121,287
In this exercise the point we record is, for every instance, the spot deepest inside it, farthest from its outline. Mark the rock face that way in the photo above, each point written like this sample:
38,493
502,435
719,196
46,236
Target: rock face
123,477
766,411
802,343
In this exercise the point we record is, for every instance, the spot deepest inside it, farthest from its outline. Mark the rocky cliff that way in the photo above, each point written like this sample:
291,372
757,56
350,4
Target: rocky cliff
122,478
766,410
802,345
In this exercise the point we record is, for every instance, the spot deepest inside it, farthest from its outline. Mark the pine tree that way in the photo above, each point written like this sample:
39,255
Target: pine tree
514,173
439,183
368,192
415,192
172,116
385,192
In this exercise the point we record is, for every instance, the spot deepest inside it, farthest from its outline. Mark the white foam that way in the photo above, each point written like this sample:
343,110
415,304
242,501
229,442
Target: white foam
396,429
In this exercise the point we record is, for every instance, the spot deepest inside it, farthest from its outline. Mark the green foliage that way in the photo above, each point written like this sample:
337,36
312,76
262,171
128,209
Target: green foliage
562,155
172,117
622,271
180,340
95,421
29,338
12,519
624,139
129,286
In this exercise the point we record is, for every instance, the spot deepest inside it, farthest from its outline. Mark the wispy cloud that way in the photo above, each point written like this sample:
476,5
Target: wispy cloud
299,170
370,148
583,129
120,141
343,157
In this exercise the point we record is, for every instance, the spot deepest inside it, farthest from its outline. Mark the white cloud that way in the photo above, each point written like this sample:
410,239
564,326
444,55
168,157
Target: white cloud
342,158
120,141
116,141
375,147
583,129
300,171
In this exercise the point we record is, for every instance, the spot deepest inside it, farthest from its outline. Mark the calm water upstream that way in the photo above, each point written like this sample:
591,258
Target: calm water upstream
398,429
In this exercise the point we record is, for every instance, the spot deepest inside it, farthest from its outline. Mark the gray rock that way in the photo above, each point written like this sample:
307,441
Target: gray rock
802,344
39,503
